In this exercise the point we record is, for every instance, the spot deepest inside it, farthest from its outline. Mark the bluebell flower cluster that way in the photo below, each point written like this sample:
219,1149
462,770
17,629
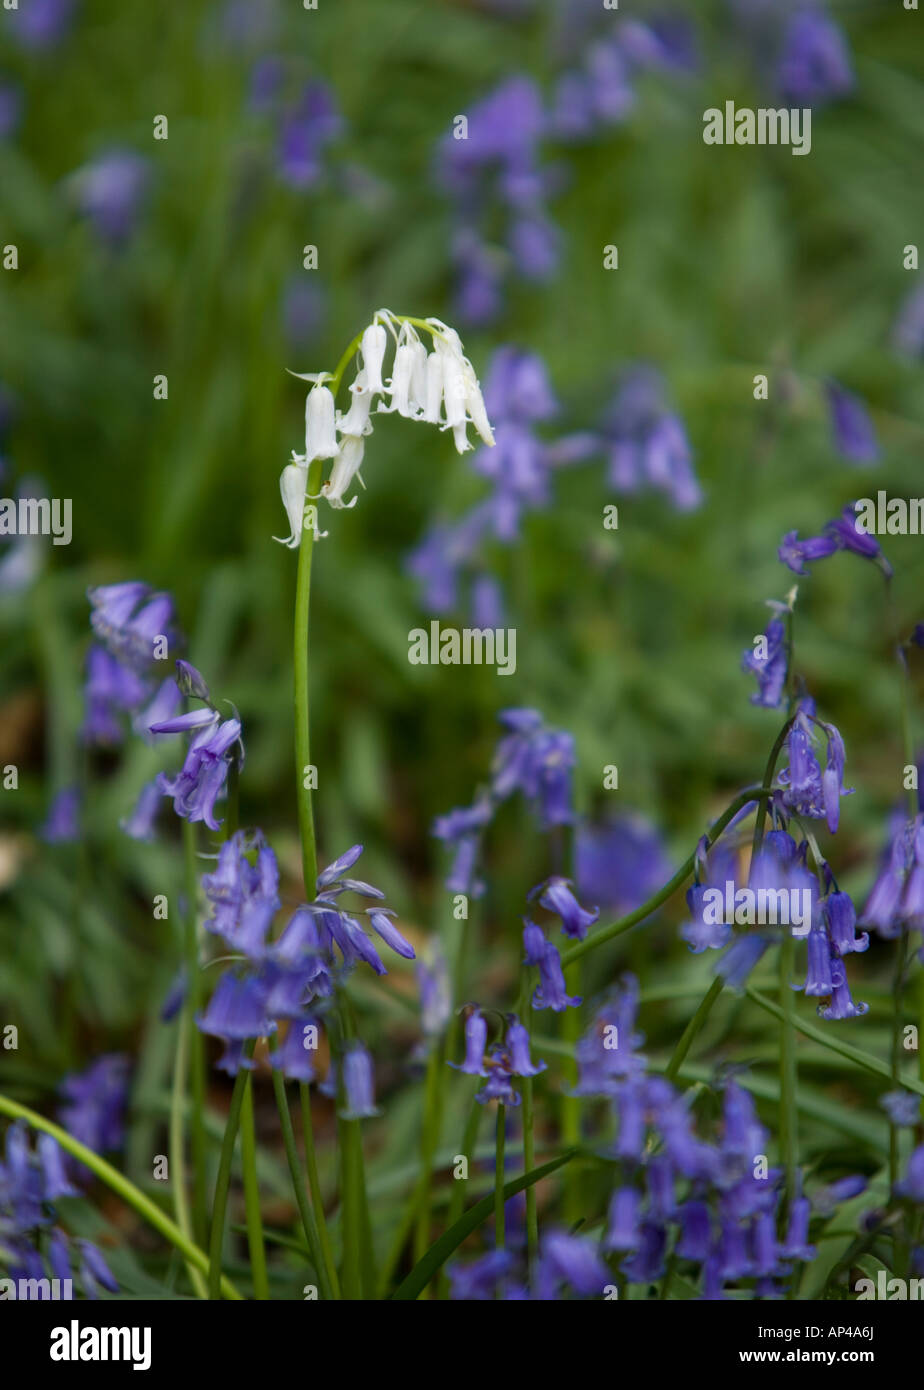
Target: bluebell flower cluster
839,534
896,899
532,759
33,1245
93,1104
122,681
619,862
568,1265
646,443
287,980
800,49
501,1062
807,789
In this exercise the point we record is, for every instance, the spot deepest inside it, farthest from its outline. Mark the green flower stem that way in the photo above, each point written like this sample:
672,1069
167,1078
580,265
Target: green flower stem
223,1179
302,722
314,1184
304,1206
529,1147
119,1184
176,1142
499,1144
693,1028
194,1039
252,1196
828,1039
624,924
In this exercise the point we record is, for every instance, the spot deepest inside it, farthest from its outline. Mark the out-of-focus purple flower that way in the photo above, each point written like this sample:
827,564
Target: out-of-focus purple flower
62,824
623,1231
306,131
854,435
647,445
537,761
110,691
267,78
902,1107
38,24
462,829
435,995
110,192
477,1282
619,863
517,388
94,1269
127,619
358,1083
769,668
737,962
814,65
140,824
912,1185
237,1010
295,1057
304,311
94,1102
908,332
608,1052
244,897
597,95
573,1261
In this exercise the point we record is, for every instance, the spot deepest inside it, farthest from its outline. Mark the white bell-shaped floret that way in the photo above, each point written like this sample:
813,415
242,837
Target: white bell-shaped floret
474,404
454,400
418,396
356,420
372,346
400,385
320,430
292,484
434,396
346,467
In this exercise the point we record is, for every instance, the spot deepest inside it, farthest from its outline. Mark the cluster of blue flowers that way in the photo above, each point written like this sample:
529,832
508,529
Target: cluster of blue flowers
532,759
288,979
643,441
33,1245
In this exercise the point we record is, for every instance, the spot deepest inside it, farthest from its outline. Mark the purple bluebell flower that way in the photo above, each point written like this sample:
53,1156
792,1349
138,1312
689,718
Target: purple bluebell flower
517,1044
623,1230
573,1261
902,1107
814,65
537,761
818,980
807,791
111,691
796,1245
912,1185
844,531
854,435
795,554
695,1237
62,824
94,1270
51,1157
201,780
608,1052
139,825
827,1199
770,670
306,132
304,311
478,1281
41,24
128,617
619,863
237,1010
841,1004
435,996
476,1041
550,992
244,897
647,1262
110,192
647,444
555,895
841,920
358,1083
737,962
294,1057
339,928
462,830
94,1103
883,909
700,934
908,332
